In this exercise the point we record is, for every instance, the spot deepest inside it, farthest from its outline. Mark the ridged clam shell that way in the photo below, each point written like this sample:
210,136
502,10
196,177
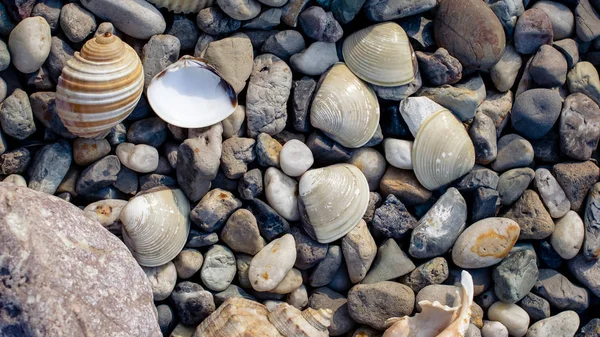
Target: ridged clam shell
183,6
292,322
156,225
381,54
191,94
238,317
332,200
345,108
442,151
99,86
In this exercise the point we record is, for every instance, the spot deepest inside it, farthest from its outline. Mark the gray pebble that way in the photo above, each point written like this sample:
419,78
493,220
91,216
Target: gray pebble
250,185
16,117
49,167
60,53
587,272
302,93
359,250
536,307
513,183
315,59
515,276
344,10
43,105
137,18
533,30
284,44
325,150
398,93
587,21
160,52
40,80
29,44
270,223
202,43
127,181
214,209
325,298
150,131
273,78
308,251
268,19
569,49
576,179
237,154
218,269
548,256
513,151
591,329
6,25
241,233
233,58
86,151
76,22
535,112
214,21
462,99
192,302
164,167
185,30
591,249
497,106
563,21
547,148
4,56
420,30
532,217
579,126
439,68
551,193
258,38
341,280
100,174
548,67
267,150
478,177
3,89
231,292
445,294
320,25
390,263
149,181
15,161
560,292
162,279
385,10
325,270
292,10
187,263
564,324
437,231
434,271
166,318
197,239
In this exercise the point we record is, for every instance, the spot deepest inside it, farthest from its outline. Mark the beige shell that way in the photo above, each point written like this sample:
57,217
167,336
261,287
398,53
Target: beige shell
345,108
191,94
332,200
183,6
99,86
291,322
156,225
238,317
436,320
442,151
381,54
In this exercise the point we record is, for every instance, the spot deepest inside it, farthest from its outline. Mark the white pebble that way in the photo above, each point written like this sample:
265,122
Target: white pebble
568,235
493,329
281,192
371,163
270,266
29,44
16,179
398,152
162,279
298,297
295,158
140,158
513,317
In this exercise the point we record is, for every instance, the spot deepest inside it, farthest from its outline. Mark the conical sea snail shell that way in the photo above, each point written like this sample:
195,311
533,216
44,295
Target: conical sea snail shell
156,225
332,200
345,108
292,322
381,54
191,94
183,6
436,320
442,151
99,86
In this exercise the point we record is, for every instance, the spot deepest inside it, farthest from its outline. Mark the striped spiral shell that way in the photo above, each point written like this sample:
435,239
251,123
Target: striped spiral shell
99,86
183,6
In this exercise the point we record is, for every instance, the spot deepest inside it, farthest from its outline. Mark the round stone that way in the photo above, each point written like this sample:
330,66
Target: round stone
563,21
140,158
270,266
533,30
493,329
568,235
372,165
295,158
398,152
511,316
87,151
535,111
188,262
29,44
548,67
240,9
218,269
162,279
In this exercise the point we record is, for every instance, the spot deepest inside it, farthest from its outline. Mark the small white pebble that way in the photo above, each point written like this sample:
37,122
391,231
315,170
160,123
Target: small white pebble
295,158
398,153
140,158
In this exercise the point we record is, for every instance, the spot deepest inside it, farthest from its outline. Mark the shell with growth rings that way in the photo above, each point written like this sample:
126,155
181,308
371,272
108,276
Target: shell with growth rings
240,317
436,320
332,200
183,6
381,54
156,225
99,87
345,107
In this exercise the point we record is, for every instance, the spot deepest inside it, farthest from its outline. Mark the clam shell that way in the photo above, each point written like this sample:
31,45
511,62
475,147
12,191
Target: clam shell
156,225
291,322
381,54
238,317
99,86
332,200
442,151
345,108
191,94
183,6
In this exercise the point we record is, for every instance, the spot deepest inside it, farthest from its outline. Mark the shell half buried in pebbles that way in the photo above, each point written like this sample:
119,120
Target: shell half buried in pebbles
191,94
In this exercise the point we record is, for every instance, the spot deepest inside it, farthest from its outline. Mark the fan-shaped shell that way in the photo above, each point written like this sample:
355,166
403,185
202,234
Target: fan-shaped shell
238,317
332,200
191,94
156,225
183,6
99,86
292,322
381,54
442,151
345,108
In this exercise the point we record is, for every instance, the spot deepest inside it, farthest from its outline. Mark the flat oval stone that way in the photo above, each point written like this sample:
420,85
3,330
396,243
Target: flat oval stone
479,47
579,126
218,269
511,316
551,193
587,272
281,193
564,324
568,235
270,266
29,44
371,163
485,243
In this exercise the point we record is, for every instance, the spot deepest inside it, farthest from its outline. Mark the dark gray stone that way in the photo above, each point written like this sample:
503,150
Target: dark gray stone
325,270
513,151
100,174
476,178
320,25
192,302
341,280
150,131
268,19
392,219
576,179
547,149
267,150
185,30
592,329
15,161
485,203
325,298
535,111
250,185
439,68
166,318
548,67
560,292
302,94
198,239
483,135
587,21
127,181
536,307
548,256
40,80
385,10
49,10
16,117
531,215
579,126
533,30
420,30
105,193
270,223
325,150
117,135
591,219
569,49
213,21
372,304
214,209
434,271
513,183
49,167
587,272
197,165
390,263
308,251
149,181
515,276
60,54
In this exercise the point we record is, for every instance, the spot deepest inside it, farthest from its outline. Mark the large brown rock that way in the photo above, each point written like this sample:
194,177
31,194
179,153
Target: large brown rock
64,275
471,32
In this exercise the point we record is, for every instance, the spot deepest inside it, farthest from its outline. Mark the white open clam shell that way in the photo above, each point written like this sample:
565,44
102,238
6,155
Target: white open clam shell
191,94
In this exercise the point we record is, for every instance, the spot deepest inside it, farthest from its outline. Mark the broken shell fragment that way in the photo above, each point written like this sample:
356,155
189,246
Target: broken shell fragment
191,94
332,201
99,87
381,54
156,225
183,6
345,107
